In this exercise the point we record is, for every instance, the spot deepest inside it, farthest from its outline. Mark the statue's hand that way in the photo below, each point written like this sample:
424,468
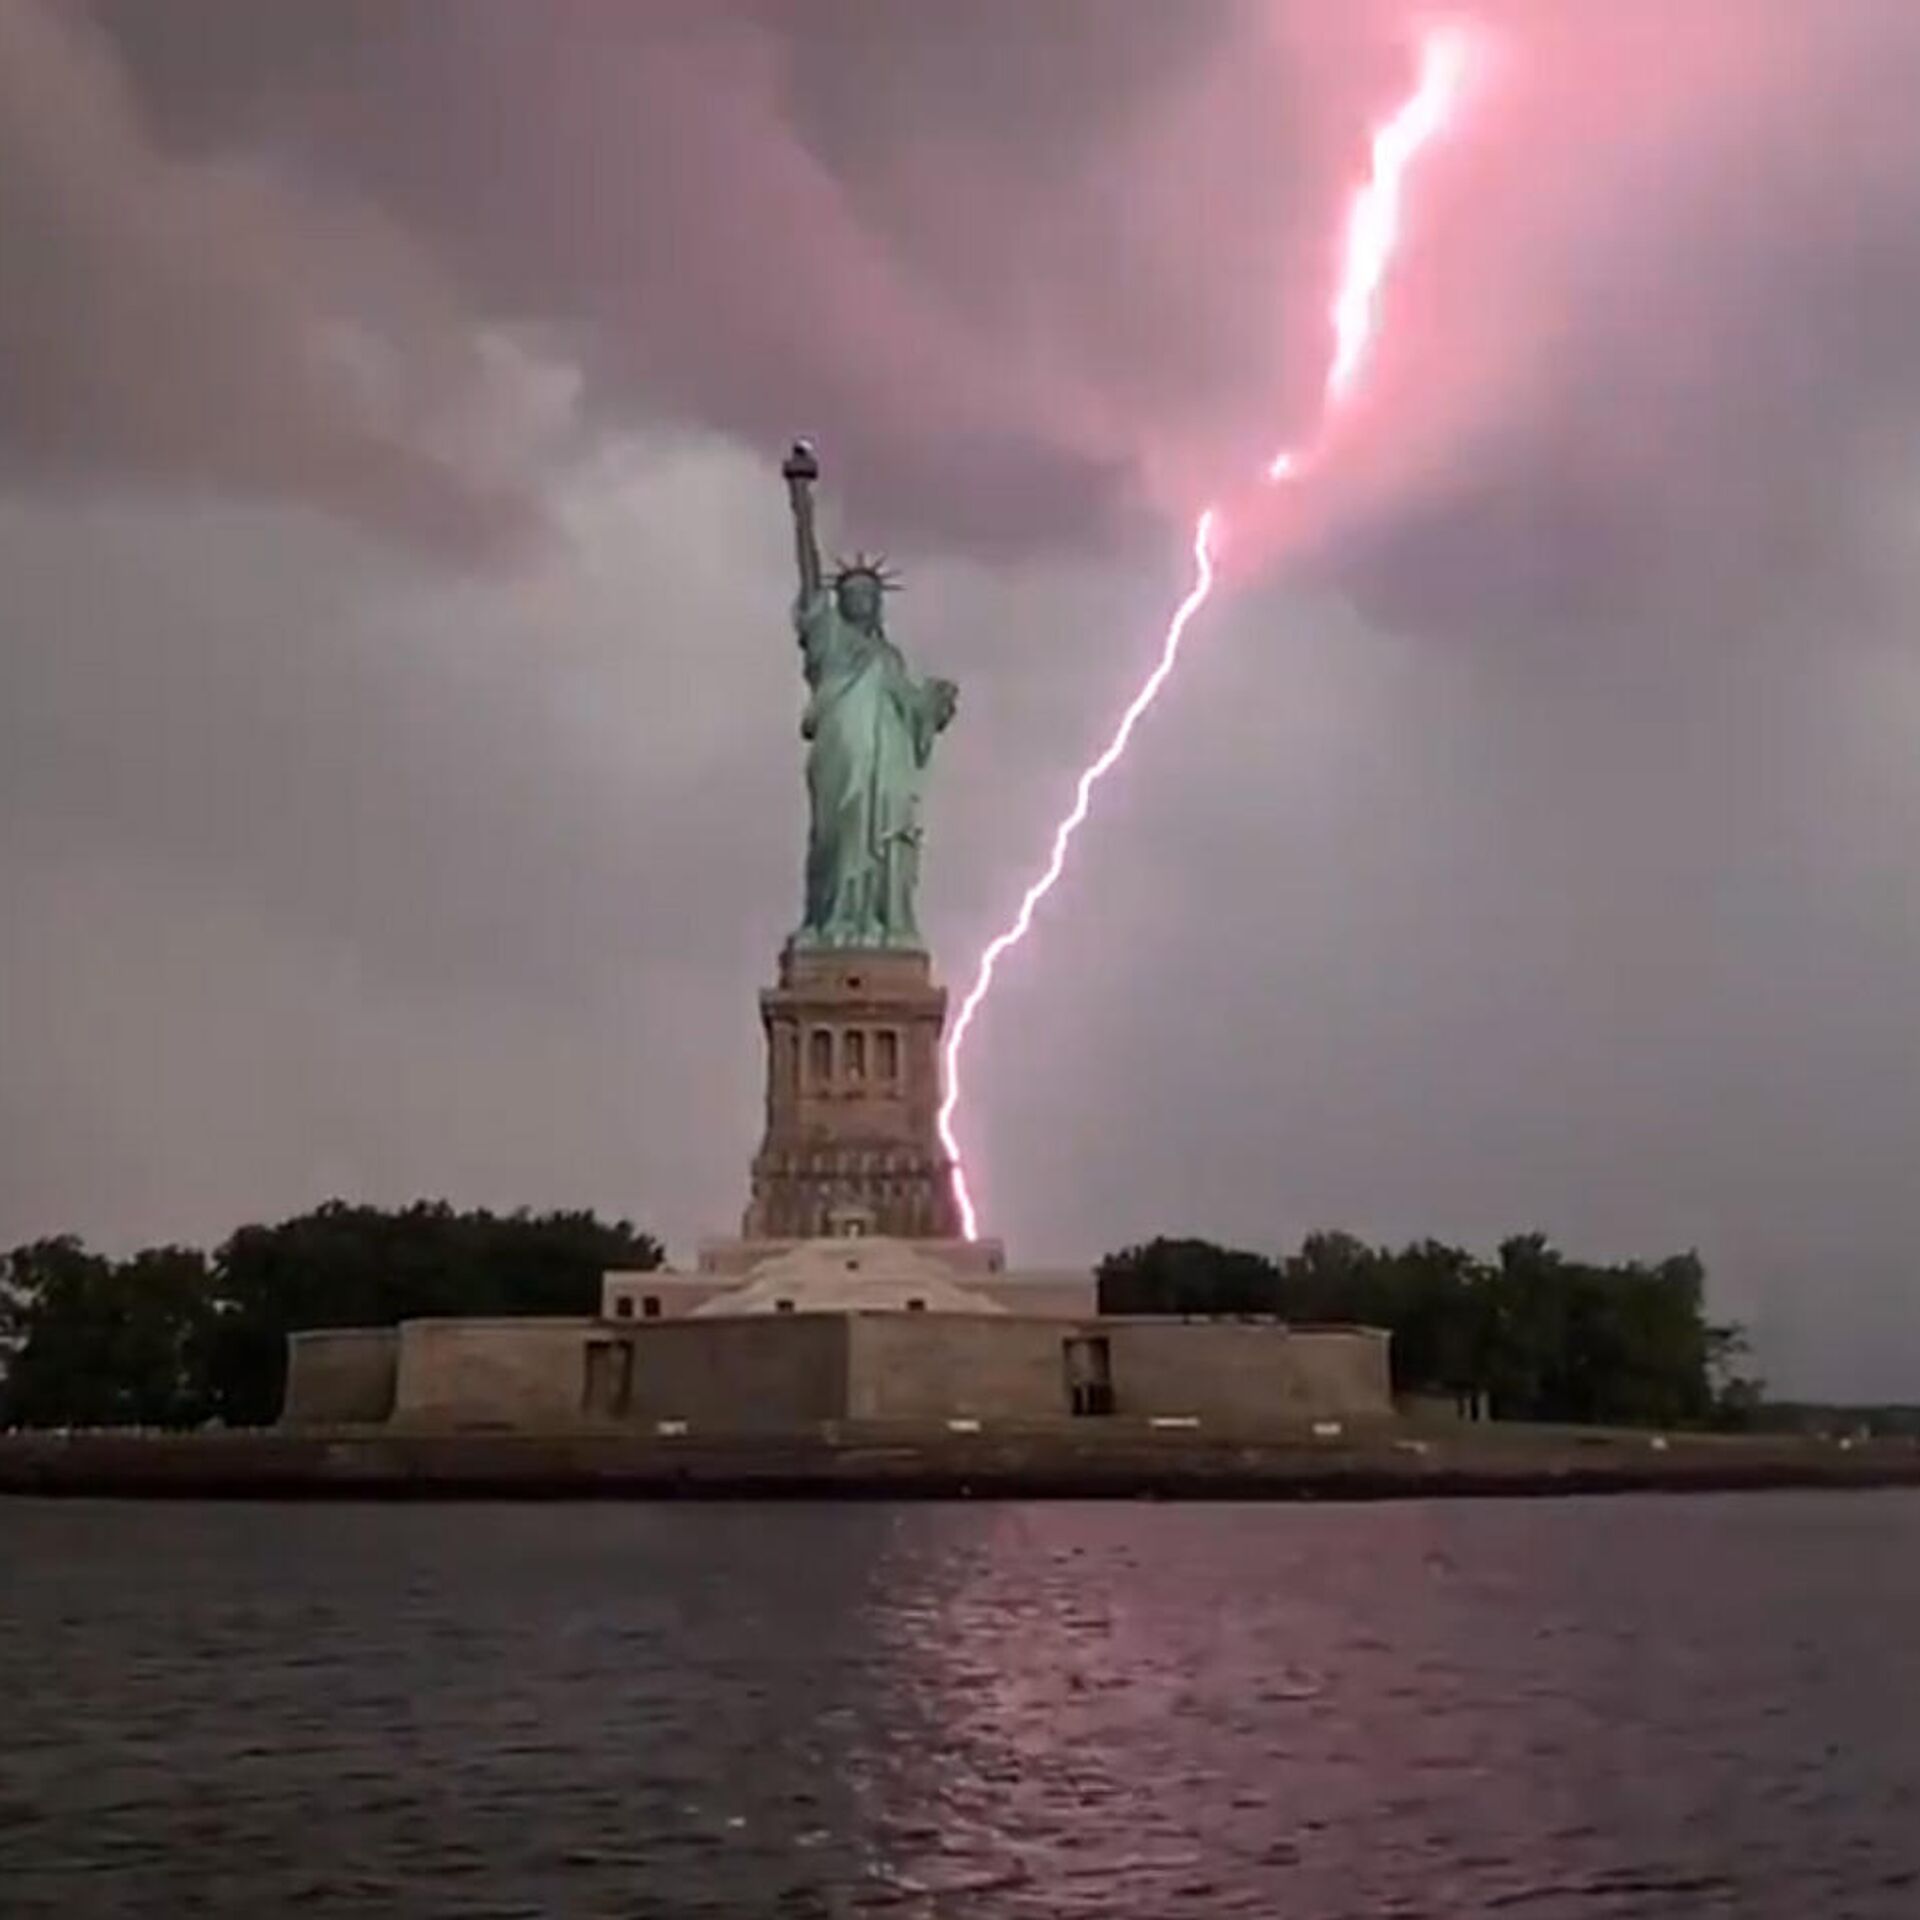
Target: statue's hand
946,696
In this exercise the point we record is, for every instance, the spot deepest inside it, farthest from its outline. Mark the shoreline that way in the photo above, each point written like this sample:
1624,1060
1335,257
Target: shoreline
847,1464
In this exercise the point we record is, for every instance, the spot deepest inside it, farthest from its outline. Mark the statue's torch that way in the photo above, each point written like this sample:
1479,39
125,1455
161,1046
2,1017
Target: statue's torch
800,470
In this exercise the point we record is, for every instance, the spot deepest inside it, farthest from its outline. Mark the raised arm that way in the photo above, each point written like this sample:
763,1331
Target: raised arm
800,470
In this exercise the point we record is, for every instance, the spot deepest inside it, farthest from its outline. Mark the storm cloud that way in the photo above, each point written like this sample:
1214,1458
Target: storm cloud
397,781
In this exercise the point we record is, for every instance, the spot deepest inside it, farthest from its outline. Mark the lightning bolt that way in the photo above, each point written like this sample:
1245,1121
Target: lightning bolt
1373,221
1372,235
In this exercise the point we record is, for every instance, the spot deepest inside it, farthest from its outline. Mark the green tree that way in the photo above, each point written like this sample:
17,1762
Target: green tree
97,1342
1542,1337
348,1266
1522,1329
1334,1277
172,1338
1188,1276
1429,1295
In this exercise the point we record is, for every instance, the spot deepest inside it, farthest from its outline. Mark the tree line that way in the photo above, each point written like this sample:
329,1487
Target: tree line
1529,1334
177,1337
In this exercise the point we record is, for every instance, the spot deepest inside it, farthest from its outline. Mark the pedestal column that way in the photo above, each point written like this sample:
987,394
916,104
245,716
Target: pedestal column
853,1091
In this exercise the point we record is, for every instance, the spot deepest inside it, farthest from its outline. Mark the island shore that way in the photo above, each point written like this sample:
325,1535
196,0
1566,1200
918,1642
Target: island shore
1400,1462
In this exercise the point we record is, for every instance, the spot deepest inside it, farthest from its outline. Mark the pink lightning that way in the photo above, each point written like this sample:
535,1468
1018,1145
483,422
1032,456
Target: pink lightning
1372,234
1373,224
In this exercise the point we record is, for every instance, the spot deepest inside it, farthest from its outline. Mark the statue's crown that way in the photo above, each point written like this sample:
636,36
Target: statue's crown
868,567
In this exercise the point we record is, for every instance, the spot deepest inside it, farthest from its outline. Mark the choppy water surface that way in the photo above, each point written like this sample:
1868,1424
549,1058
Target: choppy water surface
1591,1708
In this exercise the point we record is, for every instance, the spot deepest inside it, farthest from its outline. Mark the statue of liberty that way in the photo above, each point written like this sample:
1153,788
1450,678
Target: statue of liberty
870,726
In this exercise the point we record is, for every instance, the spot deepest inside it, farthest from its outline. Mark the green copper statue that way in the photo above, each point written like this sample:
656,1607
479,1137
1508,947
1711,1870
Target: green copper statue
871,727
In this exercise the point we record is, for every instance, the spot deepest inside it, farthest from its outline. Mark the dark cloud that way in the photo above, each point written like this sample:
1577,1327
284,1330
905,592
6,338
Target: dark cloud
1033,271
198,322
900,231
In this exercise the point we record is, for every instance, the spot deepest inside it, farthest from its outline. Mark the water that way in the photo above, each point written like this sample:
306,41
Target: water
1556,1709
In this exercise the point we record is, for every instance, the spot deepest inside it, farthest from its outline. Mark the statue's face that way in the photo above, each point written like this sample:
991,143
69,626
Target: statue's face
859,599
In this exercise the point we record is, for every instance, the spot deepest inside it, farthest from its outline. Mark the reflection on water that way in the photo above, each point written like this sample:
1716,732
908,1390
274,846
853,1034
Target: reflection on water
1593,1708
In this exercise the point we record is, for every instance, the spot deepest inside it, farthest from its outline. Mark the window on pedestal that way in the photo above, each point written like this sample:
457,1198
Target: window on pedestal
886,1054
820,1057
855,1045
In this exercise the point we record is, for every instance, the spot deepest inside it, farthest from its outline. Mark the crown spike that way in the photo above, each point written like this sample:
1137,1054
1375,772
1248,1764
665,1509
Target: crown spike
868,566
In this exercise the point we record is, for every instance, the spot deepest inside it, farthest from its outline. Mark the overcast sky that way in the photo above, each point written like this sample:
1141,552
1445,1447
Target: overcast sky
399,783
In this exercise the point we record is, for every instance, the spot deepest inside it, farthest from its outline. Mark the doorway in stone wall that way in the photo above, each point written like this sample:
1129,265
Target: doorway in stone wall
609,1383
1089,1370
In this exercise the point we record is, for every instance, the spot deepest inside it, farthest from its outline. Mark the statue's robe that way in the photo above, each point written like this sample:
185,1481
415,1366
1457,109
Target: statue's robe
872,728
